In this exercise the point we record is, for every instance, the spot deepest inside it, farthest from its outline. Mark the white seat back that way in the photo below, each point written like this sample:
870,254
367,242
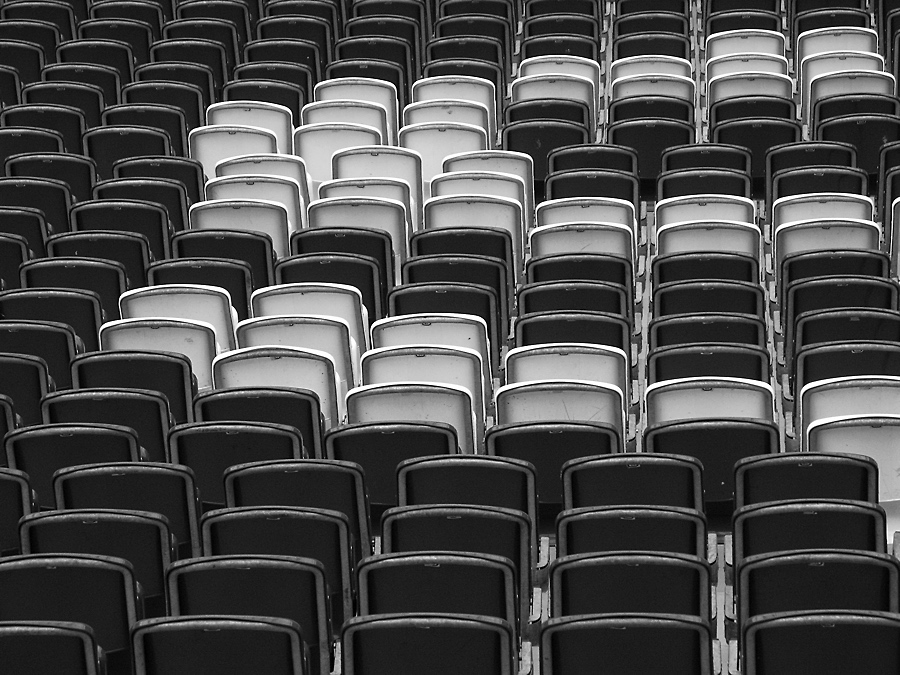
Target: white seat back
271,116
293,367
211,144
246,215
195,339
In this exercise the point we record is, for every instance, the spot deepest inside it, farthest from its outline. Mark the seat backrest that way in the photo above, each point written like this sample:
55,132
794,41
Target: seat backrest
859,580
194,339
263,585
553,400
182,645
209,448
426,402
604,529
699,397
210,304
42,450
831,641
288,530
461,583
270,116
211,144
802,524
317,143
280,189
17,501
318,483
607,583
139,486
623,479
98,591
676,644
49,646
427,642
282,367
253,215
478,529
141,538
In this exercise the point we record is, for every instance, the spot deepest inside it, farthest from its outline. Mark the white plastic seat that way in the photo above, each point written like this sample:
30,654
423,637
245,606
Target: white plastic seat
493,183
756,83
431,364
823,63
744,63
347,111
280,189
717,236
211,144
894,242
436,140
852,395
586,210
556,399
293,367
288,166
246,215
692,398
464,87
704,207
380,213
195,339
271,116
324,299
327,334
563,64
382,161
824,234
449,110
650,64
874,435
378,186
822,205
849,82
394,189
316,143
367,89
578,237
210,304
415,401
675,86
571,361
834,39
443,329
742,41
504,161
571,87
480,210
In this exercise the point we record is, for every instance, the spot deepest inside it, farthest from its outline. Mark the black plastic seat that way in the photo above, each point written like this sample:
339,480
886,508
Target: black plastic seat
209,448
166,372
291,588
67,121
75,170
144,218
288,530
380,447
145,411
95,590
166,489
131,250
294,407
141,538
42,450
